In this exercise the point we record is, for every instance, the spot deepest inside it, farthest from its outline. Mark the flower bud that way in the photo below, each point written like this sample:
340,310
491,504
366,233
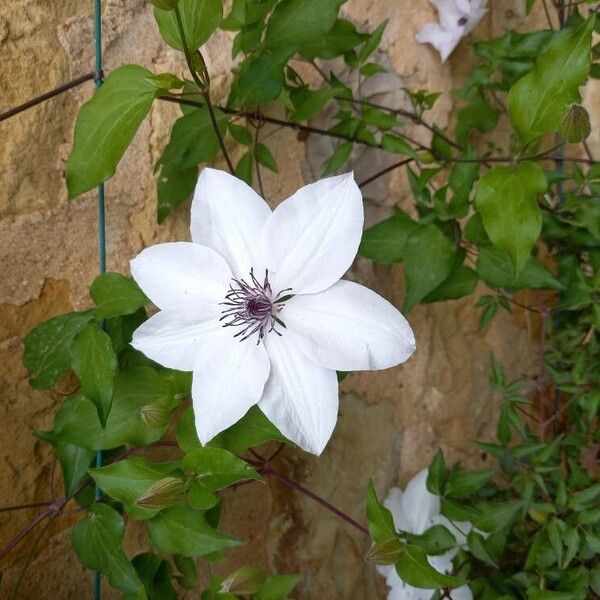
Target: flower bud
155,415
426,157
164,4
165,492
248,580
575,125
386,553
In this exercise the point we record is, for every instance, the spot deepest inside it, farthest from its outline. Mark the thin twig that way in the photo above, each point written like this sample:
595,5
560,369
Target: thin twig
257,163
548,18
26,506
51,94
267,470
384,172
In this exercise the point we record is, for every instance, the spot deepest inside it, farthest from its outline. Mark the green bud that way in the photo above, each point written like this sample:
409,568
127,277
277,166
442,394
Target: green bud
426,157
575,125
155,415
165,492
164,4
248,580
386,553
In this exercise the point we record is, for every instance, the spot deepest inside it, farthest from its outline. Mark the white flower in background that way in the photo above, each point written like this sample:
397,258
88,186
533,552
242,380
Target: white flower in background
415,510
255,307
457,18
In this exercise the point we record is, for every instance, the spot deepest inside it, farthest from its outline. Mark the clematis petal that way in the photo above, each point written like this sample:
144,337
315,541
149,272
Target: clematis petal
311,239
444,41
181,276
173,342
300,397
229,378
228,216
348,327
419,504
450,12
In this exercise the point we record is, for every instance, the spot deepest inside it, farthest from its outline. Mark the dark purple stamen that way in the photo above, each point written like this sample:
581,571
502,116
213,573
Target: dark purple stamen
253,306
463,21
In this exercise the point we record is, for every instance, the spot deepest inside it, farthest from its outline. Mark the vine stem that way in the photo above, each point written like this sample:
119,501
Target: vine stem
385,171
204,85
265,469
348,138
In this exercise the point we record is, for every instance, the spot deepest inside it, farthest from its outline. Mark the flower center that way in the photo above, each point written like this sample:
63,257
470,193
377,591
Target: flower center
463,21
253,307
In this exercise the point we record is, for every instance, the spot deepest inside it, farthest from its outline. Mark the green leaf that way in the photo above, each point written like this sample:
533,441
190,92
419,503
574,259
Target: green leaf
127,480
216,468
165,81
428,257
379,518
188,569
309,102
539,100
461,179
435,540
541,594
385,241
506,199
465,483
97,542
495,268
295,23
200,19
183,530
156,575
341,38
414,569
372,42
277,587
436,474
193,139
338,158
397,145
476,543
47,353
259,80
106,125
116,295
74,460
173,186
252,429
461,282
264,156
496,515
240,134
243,170
77,420
95,364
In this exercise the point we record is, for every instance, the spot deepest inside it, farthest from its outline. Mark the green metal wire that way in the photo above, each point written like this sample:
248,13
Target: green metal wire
101,224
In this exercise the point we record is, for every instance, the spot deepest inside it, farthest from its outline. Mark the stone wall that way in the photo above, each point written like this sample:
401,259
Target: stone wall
390,423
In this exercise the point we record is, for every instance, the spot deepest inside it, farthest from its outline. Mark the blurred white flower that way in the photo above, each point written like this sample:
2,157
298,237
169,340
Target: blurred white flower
255,307
457,18
415,510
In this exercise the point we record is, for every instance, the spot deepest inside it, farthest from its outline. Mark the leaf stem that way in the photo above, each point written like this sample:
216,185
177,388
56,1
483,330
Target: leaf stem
202,80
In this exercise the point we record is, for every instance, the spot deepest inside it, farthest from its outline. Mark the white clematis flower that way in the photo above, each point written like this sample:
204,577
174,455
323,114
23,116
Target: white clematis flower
255,307
457,18
415,510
